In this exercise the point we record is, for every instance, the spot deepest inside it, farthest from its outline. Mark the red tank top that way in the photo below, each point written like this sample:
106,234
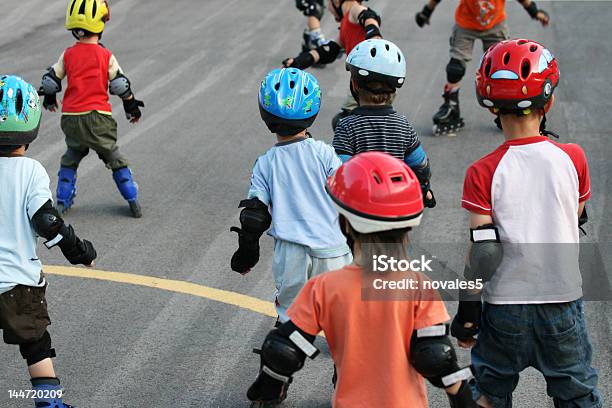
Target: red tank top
350,34
86,68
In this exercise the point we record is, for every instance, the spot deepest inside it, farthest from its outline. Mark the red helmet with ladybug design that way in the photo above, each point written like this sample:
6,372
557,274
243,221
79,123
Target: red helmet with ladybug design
516,76
376,192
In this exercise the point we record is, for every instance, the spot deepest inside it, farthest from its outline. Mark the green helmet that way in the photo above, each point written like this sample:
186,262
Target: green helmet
20,111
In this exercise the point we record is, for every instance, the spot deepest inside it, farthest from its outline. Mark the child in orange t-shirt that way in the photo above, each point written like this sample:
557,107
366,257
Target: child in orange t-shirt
382,342
483,20
87,122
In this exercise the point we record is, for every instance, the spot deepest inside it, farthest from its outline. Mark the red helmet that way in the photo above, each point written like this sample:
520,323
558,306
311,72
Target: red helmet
516,76
376,192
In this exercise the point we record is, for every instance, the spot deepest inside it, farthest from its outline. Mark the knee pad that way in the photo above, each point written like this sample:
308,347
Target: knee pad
310,8
125,183
455,70
66,185
37,351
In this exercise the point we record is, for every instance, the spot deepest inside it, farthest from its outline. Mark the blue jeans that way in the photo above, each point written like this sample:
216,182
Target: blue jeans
551,337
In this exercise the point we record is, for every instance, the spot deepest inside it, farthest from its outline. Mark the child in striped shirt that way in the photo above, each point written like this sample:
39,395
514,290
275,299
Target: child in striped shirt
378,68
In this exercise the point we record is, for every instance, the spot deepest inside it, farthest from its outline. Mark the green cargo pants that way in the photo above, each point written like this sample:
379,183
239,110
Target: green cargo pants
95,131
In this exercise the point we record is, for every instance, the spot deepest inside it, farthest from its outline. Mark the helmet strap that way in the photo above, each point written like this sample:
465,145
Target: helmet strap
543,130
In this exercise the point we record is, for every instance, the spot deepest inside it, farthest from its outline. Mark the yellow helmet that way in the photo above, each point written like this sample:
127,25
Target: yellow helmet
89,15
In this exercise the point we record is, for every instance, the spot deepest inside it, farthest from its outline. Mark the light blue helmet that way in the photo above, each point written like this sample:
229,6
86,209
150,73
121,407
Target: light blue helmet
289,100
20,111
377,61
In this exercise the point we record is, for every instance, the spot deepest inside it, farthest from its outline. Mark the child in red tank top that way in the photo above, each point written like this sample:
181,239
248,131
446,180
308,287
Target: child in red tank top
91,72
357,23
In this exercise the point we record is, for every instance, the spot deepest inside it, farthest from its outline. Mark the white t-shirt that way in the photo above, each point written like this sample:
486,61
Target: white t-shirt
532,188
24,188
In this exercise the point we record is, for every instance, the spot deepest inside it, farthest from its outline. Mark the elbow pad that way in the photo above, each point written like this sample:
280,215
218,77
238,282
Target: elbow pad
486,254
50,84
120,86
328,52
49,224
432,355
532,10
423,173
282,354
366,15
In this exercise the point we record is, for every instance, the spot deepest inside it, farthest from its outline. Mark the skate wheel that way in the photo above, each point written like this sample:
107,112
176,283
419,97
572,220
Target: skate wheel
135,209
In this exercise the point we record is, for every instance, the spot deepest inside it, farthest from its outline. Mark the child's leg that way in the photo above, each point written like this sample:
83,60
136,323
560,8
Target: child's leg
103,140
24,320
461,48
494,35
564,355
290,268
502,351
448,117
72,126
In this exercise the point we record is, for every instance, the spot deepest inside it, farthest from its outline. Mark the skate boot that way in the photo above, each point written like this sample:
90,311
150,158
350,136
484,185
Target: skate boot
50,392
128,189
66,189
311,40
448,120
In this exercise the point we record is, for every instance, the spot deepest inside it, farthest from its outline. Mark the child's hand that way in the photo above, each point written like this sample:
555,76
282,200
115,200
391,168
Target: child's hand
91,265
287,62
467,343
543,17
50,103
132,107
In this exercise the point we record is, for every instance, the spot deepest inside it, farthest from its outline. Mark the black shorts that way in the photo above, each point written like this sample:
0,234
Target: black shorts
23,314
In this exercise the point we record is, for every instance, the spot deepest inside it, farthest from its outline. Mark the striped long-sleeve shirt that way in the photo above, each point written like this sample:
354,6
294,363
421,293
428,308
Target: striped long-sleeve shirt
378,128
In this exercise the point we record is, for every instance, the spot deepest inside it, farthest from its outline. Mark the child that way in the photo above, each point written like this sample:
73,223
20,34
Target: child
527,195
87,120
357,23
483,20
379,346
313,11
378,68
26,210
287,191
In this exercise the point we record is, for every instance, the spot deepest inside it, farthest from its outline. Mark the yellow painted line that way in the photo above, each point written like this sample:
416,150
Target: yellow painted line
223,296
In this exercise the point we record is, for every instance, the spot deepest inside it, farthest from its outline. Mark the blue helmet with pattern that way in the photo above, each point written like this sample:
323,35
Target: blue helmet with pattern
289,100
20,111
377,60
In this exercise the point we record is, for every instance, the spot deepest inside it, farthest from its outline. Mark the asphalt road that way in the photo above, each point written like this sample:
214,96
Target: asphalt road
197,65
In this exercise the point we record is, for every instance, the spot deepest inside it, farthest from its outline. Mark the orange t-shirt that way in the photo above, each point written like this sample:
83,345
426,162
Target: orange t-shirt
480,15
369,339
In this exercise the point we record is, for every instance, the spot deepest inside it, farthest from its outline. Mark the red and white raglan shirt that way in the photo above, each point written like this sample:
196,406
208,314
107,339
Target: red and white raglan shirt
88,68
532,188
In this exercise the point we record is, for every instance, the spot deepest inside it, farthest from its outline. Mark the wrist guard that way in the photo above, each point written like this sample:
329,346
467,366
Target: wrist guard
132,108
532,10
302,61
423,16
469,311
372,31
